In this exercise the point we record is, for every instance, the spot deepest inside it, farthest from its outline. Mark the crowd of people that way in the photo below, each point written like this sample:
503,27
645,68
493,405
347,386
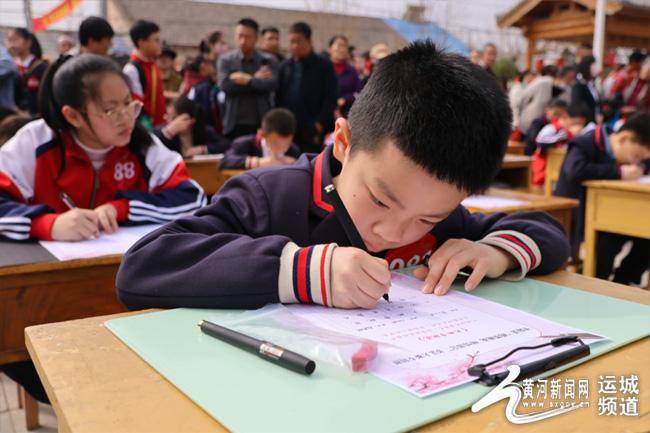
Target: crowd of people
94,142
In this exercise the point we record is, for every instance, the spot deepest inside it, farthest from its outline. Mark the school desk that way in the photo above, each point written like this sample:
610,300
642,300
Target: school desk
98,384
614,206
206,172
558,207
516,147
515,171
37,288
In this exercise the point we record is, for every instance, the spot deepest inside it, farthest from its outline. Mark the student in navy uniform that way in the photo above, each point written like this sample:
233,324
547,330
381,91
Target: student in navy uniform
272,145
601,154
26,50
187,133
429,129
206,91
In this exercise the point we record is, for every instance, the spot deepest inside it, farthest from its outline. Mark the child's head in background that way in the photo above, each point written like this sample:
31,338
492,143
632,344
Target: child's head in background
631,143
89,96
145,36
429,129
556,109
278,127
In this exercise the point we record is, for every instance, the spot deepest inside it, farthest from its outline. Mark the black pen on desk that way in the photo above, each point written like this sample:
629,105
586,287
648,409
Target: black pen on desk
265,350
348,225
67,200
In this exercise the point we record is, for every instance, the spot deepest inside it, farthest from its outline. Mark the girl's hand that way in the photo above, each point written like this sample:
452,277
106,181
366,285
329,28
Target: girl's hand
76,225
107,217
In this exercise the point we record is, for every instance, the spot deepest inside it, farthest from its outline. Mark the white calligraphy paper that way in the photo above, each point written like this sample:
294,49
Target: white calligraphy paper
426,343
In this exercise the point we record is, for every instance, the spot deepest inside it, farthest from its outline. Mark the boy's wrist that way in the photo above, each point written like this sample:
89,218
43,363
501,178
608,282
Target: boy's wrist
520,247
304,275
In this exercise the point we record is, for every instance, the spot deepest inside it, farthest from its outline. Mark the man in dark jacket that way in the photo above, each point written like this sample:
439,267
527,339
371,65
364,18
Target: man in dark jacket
307,86
248,78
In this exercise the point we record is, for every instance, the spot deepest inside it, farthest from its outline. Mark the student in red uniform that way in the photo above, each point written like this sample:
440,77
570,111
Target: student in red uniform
144,73
89,147
557,133
27,53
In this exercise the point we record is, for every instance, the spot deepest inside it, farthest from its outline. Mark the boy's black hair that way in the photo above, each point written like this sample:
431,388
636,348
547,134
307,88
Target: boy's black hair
6,112
142,29
166,50
549,71
279,120
35,49
270,29
95,28
558,103
637,57
579,109
185,105
250,23
444,113
301,28
584,67
11,124
73,81
567,70
639,125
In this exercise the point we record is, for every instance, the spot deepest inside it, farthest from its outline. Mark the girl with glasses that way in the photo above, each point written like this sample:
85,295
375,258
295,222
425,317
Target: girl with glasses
88,166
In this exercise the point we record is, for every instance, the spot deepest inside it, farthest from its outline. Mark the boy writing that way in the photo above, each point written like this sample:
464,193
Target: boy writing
401,168
272,145
601,154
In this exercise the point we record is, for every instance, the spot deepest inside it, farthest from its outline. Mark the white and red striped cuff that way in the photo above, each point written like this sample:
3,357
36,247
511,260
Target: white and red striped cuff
522,248
305,274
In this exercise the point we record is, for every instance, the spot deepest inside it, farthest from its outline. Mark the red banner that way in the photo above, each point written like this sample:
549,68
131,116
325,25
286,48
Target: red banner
61,11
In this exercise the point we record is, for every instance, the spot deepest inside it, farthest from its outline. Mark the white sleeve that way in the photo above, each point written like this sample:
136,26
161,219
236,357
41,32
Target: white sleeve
18,155
161,161
134,77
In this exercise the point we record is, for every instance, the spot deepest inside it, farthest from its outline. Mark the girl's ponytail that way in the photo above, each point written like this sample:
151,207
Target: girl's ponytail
50,109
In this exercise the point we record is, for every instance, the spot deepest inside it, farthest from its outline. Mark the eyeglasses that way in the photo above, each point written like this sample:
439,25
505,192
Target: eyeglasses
132,110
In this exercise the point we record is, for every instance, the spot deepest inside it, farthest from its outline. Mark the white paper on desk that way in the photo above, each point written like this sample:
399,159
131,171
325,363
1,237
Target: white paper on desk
427,342
491,202
643,179
107,244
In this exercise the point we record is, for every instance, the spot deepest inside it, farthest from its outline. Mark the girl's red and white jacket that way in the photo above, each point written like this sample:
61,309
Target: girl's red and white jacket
37,165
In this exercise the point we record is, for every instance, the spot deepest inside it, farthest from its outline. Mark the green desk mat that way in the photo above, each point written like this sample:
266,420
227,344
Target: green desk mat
247,394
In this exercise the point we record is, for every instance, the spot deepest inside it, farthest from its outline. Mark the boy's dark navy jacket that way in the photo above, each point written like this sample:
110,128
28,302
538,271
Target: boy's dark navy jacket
216,143
587,158
269,234
246,146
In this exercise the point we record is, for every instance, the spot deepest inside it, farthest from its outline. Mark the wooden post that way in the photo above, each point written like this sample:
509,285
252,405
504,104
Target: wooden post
530,52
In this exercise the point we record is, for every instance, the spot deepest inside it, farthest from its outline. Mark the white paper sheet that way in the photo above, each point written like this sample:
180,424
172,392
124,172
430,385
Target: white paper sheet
491,202
644,179
116,243
426,343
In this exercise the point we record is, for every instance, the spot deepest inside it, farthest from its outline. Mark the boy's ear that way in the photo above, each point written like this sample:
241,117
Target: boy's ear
260,132
73,116
341,139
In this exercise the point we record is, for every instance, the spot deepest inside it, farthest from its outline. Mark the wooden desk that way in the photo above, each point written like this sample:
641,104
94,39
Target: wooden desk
515,171
617,207
558,207
516,147
206,172
96,383
53,291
